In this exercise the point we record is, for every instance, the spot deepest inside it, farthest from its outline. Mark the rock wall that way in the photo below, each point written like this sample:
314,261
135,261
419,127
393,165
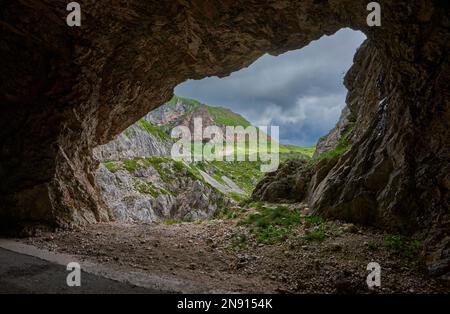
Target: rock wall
67,90
134,142
159,191
169,114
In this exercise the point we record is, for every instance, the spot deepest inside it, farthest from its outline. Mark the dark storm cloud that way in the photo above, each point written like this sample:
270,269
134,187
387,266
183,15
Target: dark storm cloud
301,91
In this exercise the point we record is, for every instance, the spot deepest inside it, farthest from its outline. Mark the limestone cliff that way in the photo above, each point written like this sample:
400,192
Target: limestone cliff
140,182
136,141
158,189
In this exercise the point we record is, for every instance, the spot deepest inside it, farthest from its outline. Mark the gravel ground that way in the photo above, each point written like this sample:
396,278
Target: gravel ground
222,255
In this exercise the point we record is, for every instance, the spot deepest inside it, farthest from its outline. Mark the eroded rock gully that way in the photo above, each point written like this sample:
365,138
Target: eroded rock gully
66,90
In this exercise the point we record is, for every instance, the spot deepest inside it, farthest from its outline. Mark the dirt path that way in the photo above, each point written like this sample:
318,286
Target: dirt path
221,255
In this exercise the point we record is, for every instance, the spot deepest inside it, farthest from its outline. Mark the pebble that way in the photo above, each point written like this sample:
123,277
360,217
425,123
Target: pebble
350,228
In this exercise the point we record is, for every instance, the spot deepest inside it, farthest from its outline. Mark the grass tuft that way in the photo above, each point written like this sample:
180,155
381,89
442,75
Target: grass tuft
272,225
315,235
403,246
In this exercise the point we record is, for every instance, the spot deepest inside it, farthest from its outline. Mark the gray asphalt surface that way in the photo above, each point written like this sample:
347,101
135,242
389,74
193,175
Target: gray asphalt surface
21,273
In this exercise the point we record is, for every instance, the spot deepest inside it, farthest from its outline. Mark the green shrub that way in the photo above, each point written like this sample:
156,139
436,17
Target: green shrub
271,225
314,220
403,246
315,235
146,188
232,213
131,164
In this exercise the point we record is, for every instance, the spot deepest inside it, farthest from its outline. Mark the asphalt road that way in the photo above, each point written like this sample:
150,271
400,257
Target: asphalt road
21,273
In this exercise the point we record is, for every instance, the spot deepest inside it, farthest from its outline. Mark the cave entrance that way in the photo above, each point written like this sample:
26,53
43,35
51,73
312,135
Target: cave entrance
302,92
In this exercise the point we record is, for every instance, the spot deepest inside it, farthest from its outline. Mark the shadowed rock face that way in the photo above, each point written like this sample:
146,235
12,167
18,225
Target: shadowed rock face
66,90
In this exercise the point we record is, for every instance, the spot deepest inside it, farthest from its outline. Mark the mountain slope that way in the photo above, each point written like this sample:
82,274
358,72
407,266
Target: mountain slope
140,182
182,111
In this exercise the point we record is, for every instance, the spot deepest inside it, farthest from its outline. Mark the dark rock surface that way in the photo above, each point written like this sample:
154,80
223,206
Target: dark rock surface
66,90
289,183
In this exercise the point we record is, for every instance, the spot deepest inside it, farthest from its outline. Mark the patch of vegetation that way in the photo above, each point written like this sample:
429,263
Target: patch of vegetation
194,173
293,150
314,220
231,213
178,166
253,204
171,221
317,234
146,188
131,165
403,246
244,173
153,130
237,196
272,225
342,146
113,166
224,116
157,163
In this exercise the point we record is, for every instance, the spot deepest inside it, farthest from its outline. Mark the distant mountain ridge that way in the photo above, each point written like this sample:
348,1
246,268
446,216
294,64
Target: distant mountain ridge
181,111
150,135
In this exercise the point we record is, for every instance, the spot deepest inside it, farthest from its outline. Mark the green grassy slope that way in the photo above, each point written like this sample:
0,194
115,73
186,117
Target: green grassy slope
154,130
226,117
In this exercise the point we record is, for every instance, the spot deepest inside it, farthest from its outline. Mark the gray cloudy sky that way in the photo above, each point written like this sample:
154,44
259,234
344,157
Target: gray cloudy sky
302,91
